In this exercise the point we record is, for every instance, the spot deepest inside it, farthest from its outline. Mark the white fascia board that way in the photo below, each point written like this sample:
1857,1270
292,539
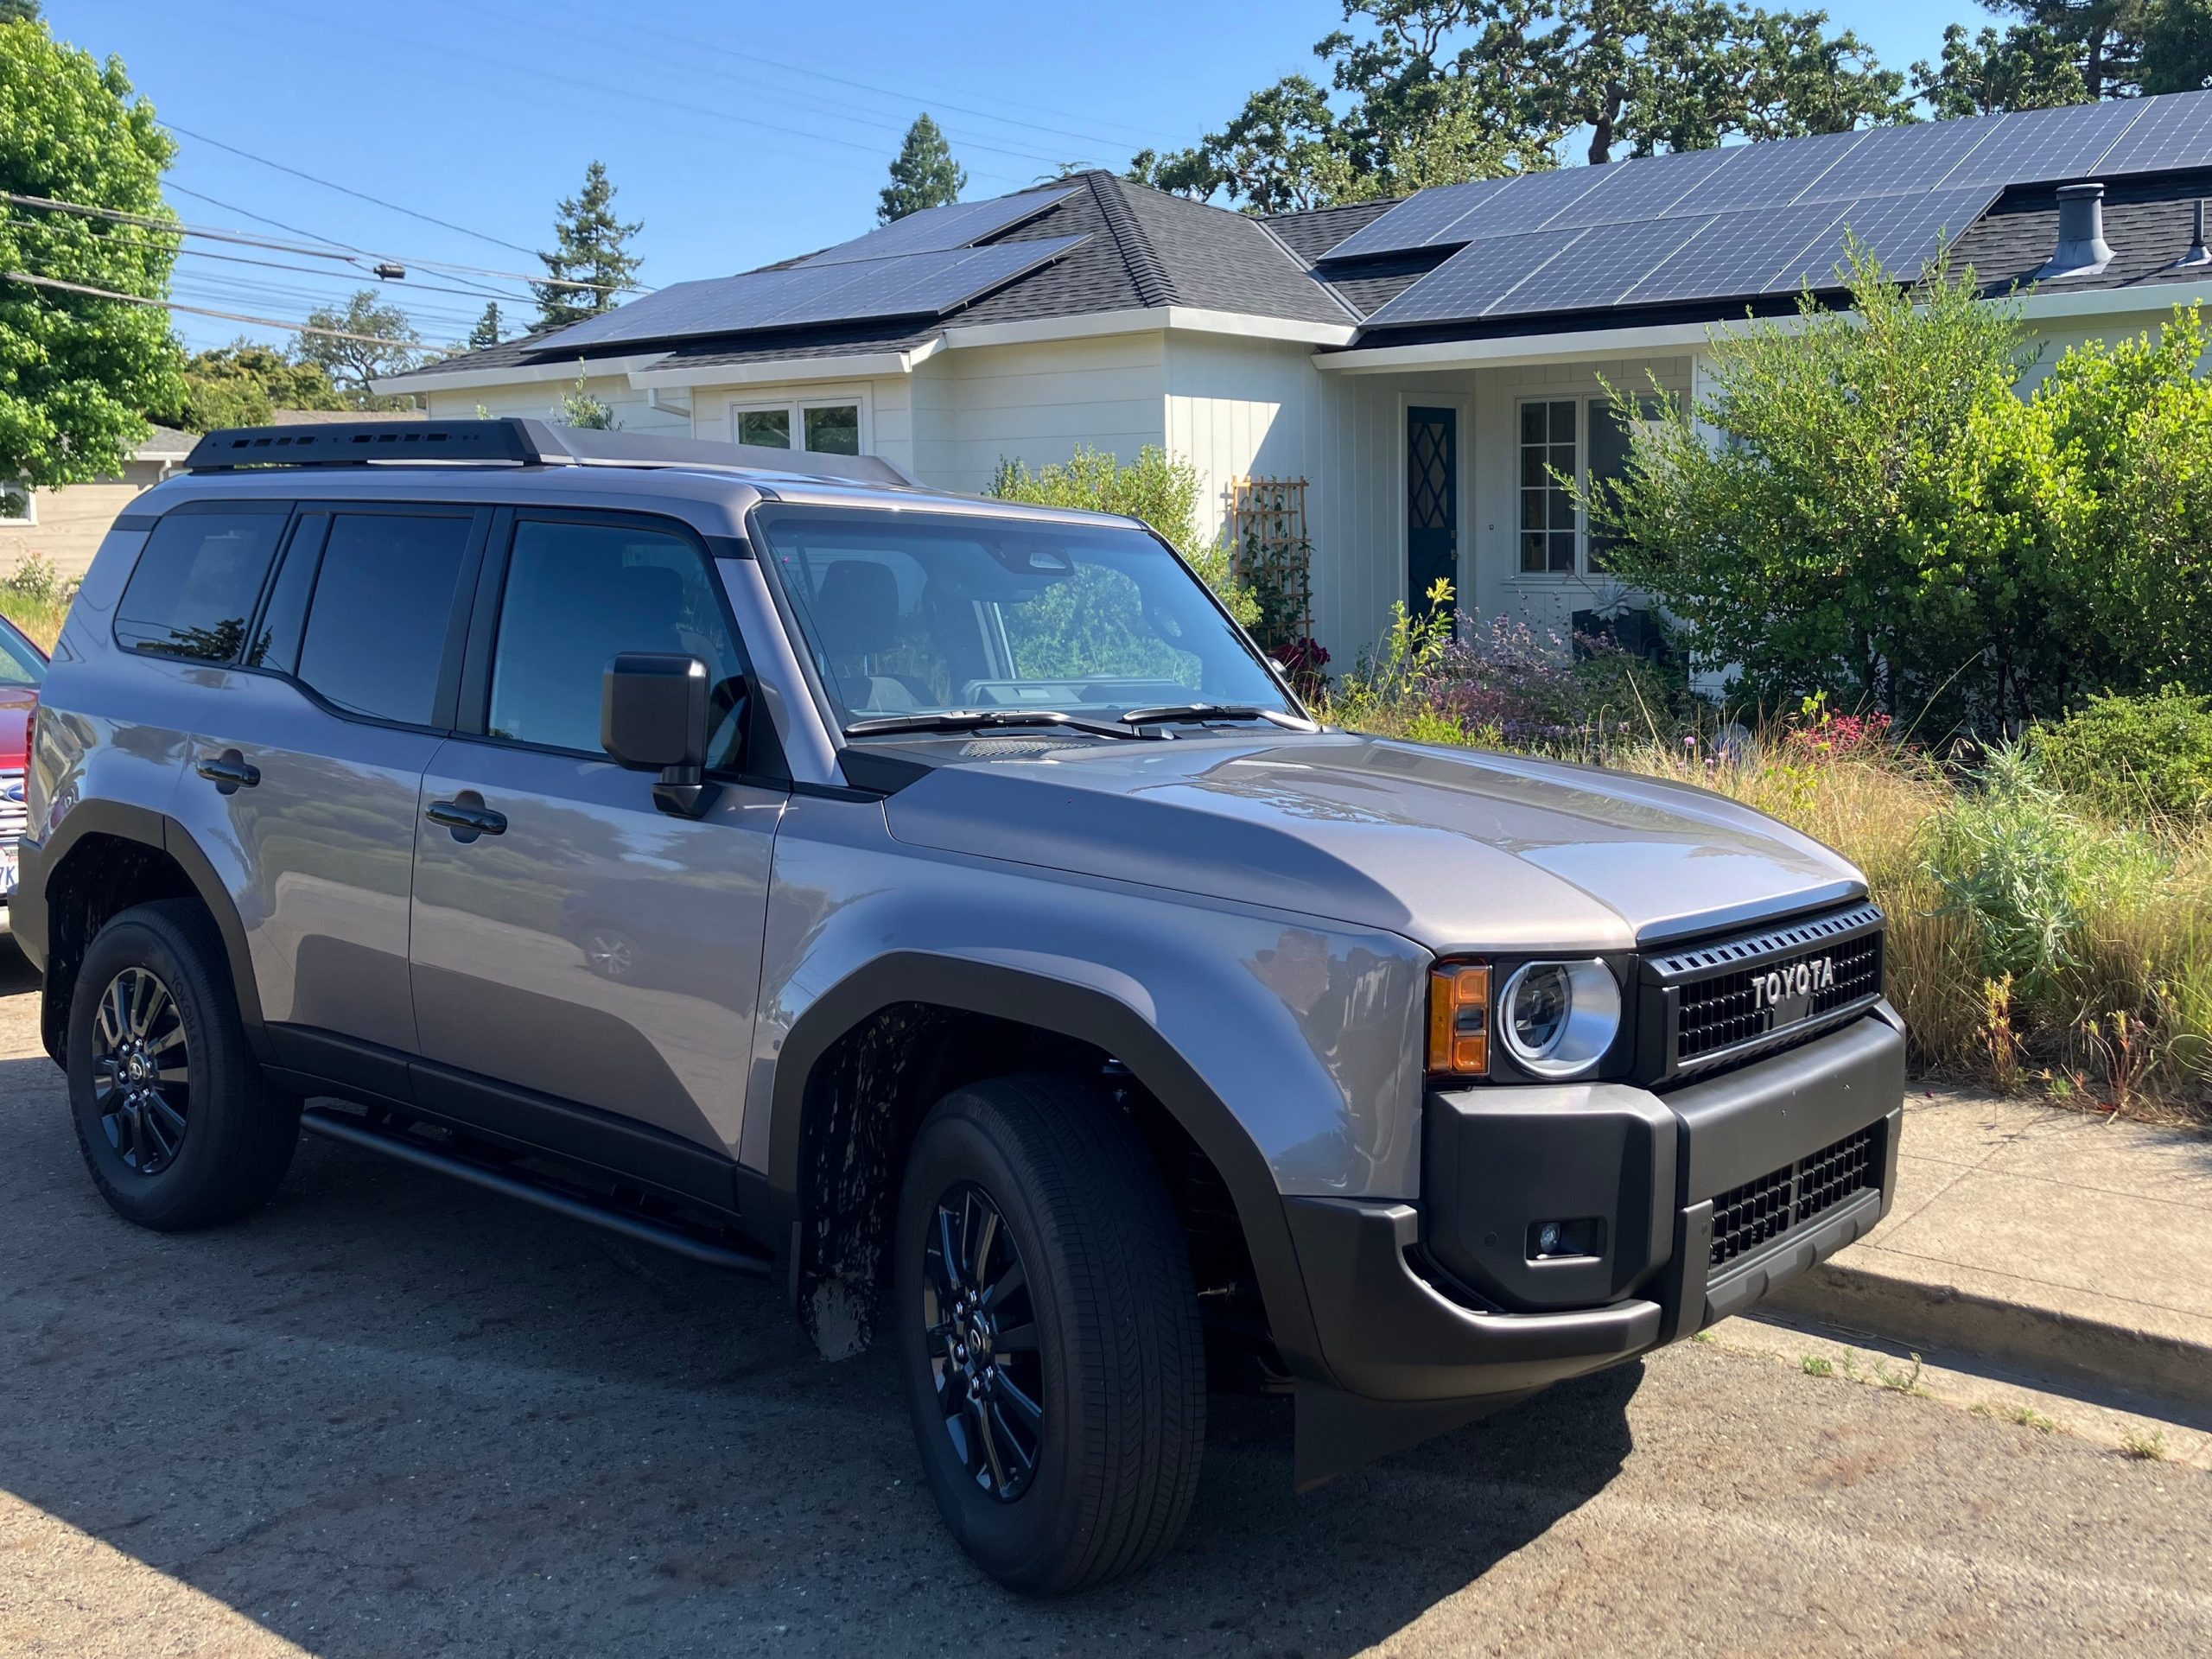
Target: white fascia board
2055,303
784,370
1147,320
514,374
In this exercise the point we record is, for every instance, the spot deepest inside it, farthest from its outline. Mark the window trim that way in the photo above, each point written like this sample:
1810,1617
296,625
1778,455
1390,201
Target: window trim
1585,403
766,768
450,664
796,407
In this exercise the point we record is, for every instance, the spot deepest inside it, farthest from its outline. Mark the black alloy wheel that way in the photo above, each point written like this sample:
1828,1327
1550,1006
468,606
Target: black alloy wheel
142,1083
980,1332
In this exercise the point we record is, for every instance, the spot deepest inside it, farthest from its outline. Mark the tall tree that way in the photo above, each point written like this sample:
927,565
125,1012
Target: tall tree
77,374
923,175
2025,67
2177,47
1435,90
21,11
364,341
2103,37
245,382
594,249
490,329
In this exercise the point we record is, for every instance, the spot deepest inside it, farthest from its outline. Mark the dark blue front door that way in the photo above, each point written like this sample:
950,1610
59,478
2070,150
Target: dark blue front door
1431,503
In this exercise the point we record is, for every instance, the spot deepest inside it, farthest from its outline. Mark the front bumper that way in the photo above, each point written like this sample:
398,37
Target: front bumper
1444,1303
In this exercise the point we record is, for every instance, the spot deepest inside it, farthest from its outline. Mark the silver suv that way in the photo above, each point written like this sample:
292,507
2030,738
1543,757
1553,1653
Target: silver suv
941,906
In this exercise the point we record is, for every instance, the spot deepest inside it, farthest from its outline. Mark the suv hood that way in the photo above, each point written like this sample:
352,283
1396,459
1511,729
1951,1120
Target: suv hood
1458,850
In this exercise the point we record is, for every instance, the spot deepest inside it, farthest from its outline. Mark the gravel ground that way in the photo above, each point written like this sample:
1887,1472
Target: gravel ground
395,1416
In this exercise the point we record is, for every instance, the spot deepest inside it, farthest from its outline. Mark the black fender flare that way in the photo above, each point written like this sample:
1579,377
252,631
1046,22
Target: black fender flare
125,821
1087,1016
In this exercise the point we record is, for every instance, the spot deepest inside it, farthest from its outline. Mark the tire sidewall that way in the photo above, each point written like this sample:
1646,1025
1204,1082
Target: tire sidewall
152,1199
1017,1542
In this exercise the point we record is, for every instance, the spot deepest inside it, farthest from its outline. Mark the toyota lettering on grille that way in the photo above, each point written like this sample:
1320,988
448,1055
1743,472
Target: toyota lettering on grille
1789,989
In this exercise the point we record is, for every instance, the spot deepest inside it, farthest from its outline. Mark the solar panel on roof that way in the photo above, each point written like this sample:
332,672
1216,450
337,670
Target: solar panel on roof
1476,277
1607,263
1903,158
1736,253
2173,130
1902,231
1770,174
933,230
1412,221
2047,144
1527,202
913,284
1650,188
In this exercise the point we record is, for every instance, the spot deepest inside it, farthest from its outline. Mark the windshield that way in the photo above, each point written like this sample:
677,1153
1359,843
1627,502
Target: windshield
19,664
916,614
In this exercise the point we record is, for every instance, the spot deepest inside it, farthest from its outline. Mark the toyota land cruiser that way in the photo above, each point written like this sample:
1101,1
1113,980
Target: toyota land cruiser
939,904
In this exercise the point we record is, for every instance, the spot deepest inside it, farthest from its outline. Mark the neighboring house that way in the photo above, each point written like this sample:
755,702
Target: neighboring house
66,525
1423,363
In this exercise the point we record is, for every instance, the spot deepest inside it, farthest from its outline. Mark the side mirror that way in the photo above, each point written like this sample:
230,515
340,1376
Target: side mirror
652,717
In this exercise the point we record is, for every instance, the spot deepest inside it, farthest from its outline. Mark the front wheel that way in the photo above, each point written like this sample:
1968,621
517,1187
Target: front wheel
1048,1335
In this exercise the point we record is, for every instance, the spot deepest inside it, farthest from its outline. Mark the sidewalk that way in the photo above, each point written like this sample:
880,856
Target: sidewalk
2044,1239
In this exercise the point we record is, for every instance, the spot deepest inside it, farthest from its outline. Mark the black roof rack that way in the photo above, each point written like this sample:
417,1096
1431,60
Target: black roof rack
510,442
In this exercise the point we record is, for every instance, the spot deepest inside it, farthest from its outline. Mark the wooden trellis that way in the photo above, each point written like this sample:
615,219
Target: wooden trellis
1274,555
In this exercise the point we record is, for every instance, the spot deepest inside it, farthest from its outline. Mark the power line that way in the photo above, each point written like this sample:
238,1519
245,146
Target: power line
348,190
196,310
264,218
178,228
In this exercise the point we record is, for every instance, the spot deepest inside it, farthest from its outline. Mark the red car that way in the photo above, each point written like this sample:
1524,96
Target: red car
22,670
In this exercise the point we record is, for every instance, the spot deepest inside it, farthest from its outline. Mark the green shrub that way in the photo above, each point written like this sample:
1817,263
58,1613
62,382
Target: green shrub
2133,757
1886,519
1156,488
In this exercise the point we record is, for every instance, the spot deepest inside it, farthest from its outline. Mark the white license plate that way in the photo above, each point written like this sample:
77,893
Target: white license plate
7,867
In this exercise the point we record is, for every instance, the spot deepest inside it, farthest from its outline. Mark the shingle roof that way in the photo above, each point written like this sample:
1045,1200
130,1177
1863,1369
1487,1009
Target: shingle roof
1142,248
2147,221
1311,234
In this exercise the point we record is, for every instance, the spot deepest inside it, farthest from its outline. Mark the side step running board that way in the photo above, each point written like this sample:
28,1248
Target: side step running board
355,1131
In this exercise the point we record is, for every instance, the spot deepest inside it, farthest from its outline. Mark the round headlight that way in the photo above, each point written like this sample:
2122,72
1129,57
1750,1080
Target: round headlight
1559,1018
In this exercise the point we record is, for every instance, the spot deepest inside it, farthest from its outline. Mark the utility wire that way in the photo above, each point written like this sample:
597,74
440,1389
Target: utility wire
348,190
178,228
264,218
196,310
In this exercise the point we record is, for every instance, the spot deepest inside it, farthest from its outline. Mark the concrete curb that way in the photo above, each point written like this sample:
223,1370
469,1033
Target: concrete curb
2040,1339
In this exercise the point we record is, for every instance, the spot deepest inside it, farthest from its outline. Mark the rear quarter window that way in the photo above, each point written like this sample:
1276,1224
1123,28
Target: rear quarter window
195,583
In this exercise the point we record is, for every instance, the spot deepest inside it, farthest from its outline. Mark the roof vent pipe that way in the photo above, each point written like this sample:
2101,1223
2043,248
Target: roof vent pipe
2082,250
2198,254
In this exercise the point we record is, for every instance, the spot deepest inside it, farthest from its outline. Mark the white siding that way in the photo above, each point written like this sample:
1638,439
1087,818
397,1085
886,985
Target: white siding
1035,404
541,400
885,404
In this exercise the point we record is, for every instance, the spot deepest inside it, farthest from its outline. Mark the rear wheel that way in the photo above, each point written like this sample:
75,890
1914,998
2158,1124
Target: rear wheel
173,1116
1049,1337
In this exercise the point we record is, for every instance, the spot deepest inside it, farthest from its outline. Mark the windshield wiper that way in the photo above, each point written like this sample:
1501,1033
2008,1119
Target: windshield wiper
1167,713
970,720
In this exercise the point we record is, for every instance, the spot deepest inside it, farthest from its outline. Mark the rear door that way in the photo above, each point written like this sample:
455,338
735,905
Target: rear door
589,947
305,769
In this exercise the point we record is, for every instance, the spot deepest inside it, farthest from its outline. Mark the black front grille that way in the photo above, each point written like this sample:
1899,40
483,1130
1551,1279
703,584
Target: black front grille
1746,1217
1746,994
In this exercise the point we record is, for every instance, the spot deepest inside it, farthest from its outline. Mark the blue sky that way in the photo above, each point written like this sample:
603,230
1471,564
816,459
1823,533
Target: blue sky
738,133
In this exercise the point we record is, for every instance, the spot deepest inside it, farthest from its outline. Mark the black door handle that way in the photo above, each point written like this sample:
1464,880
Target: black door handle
230,771
468,818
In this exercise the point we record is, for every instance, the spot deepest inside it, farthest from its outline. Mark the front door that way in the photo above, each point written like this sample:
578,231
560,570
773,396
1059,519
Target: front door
1432,506
588,946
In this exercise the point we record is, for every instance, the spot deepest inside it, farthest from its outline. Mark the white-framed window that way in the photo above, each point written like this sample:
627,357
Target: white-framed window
1586,439
829,425
18,504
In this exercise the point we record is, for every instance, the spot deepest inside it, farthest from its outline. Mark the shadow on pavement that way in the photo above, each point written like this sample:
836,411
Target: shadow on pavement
394,1414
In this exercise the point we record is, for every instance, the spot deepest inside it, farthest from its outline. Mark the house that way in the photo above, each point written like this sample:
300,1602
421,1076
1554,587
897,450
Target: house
1424,363
64,525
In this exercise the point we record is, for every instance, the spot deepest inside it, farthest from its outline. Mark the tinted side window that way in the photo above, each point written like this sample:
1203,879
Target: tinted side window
196,583
577,595
383,607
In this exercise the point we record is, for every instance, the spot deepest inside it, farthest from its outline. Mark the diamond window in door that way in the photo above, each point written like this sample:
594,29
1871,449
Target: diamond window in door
1548,454
1431,503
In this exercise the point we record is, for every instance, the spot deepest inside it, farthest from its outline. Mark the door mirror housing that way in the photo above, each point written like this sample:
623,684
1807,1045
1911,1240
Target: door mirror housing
653,718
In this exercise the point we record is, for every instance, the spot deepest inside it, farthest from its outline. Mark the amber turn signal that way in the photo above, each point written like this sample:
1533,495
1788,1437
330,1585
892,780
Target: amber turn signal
1458,1020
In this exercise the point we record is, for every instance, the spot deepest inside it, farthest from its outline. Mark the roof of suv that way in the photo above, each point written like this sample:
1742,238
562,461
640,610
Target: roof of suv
456,461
